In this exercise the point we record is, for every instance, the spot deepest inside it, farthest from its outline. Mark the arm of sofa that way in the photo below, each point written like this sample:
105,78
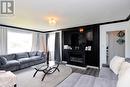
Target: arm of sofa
3,61
105,65
42,54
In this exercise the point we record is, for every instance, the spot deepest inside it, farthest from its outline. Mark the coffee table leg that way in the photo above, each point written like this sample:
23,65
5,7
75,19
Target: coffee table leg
44,76
58,69
35,73
46,73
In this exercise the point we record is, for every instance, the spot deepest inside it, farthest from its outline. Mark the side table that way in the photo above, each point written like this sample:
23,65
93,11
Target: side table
7,79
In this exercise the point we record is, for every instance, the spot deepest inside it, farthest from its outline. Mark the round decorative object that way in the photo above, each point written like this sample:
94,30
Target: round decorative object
121,34
120,41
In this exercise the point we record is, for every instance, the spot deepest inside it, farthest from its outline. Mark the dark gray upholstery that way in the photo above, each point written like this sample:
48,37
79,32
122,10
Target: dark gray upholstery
22,55
21,60
3,60
40,54
24,60
12,63
9,56
35,58
32,53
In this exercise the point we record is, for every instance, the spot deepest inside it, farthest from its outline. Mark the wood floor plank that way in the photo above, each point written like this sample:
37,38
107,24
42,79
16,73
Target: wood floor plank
88,71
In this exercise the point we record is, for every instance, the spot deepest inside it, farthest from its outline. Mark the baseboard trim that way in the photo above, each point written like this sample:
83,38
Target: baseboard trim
88,66
76,66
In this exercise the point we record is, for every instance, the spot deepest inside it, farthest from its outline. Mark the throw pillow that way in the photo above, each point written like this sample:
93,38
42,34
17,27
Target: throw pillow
3,60
124,67
115,64
124,80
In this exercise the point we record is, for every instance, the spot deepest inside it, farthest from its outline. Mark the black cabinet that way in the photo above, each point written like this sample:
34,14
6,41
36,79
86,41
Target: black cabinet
81,48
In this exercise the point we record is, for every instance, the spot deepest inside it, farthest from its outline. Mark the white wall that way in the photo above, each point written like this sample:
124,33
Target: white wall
128,41
113,27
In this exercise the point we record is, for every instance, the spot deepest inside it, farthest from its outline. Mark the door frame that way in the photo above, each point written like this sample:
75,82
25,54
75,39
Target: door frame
103,35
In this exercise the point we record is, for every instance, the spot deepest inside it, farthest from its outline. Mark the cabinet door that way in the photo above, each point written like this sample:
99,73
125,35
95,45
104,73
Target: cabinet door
89,58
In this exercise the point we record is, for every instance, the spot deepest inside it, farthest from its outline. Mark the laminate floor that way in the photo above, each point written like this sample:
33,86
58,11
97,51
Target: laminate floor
87,71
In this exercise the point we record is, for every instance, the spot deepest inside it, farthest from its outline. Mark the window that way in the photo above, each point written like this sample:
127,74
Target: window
51,44
19,41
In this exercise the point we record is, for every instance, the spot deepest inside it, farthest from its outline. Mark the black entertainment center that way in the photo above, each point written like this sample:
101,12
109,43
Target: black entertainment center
81,45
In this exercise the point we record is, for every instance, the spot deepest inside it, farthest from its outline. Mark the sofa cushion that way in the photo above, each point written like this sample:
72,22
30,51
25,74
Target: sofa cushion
123,68
85,81
3,60
36,58
12,63
102,82
124,80
9,56
107,73
32,53
70,81
115,64
42,54
24,60
22,55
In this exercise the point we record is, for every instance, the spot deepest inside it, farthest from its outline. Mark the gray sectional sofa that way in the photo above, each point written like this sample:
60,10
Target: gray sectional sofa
13,62
106,79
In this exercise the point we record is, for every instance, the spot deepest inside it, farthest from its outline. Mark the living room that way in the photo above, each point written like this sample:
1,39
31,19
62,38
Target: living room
52,45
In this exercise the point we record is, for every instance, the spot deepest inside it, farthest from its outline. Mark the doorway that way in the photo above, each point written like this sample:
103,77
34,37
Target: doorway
115,44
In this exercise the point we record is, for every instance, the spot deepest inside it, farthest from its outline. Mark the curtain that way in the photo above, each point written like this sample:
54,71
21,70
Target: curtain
3,40
57,47
39,42
35,41
51,45
42,43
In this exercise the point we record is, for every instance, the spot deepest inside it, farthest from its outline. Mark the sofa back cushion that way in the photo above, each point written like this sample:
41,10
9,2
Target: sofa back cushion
9,56
41,54
115,64
34,53
22,55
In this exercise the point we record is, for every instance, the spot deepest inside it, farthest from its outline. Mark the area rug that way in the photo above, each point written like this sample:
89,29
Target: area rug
25,77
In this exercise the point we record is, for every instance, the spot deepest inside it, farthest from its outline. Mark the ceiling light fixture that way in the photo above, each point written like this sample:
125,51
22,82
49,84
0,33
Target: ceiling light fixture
81,30
52,21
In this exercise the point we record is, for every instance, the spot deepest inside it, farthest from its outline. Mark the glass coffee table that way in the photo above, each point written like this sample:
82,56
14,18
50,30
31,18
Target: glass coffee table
47,68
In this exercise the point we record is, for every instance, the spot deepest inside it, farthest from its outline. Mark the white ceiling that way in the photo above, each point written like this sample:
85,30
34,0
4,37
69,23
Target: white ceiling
69,13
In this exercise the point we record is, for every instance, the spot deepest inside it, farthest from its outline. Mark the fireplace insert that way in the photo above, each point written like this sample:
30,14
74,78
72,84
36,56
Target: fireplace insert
76,57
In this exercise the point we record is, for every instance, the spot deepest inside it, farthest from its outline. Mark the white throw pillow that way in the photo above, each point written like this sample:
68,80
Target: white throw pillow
124,67
124,80
115,64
